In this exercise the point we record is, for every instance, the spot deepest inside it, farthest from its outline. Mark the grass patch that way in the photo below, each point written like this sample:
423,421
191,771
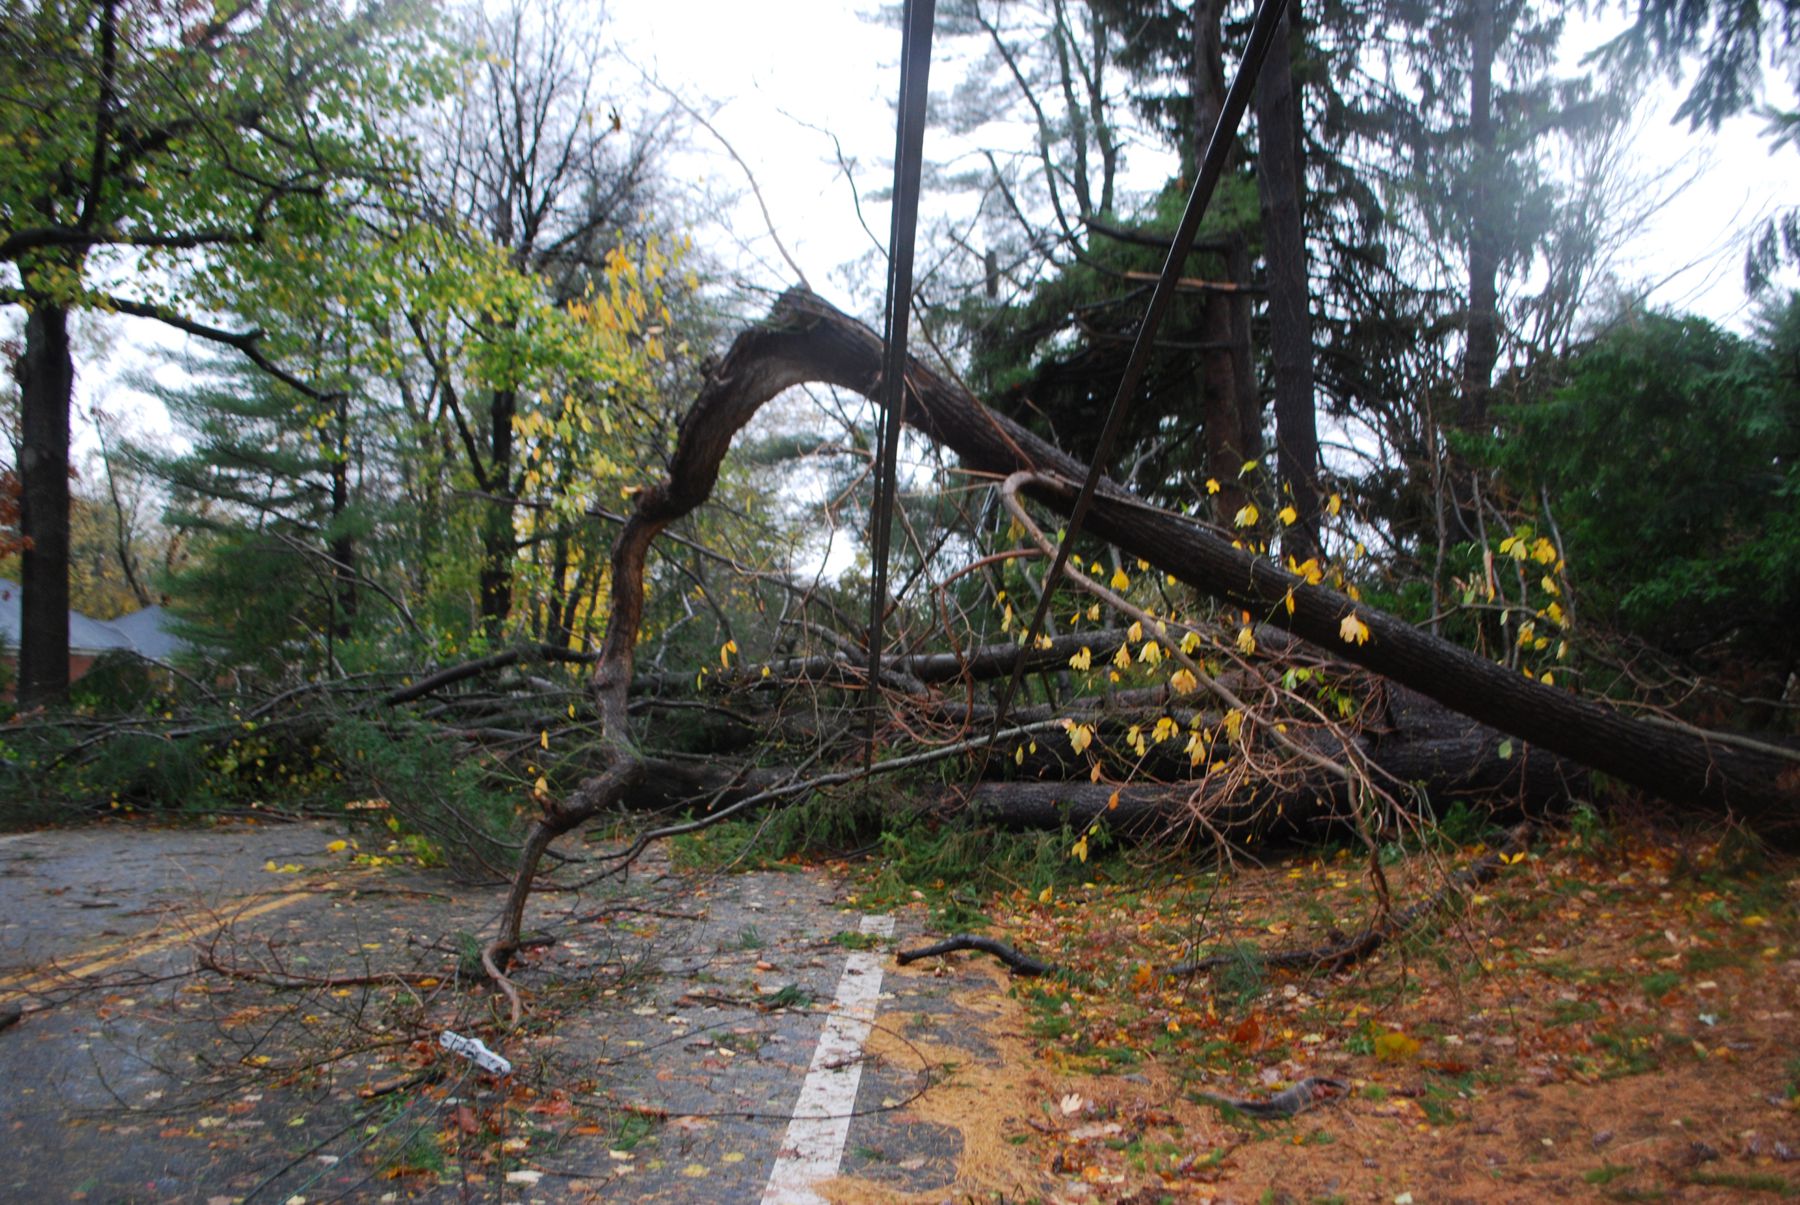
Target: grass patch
1630,1050
1573,1012
1745,1182
849,939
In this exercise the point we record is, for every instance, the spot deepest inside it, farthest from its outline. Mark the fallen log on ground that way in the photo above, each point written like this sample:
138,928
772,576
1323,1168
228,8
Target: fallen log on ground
1424,753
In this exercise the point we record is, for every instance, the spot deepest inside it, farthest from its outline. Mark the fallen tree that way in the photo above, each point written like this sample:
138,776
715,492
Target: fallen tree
804,340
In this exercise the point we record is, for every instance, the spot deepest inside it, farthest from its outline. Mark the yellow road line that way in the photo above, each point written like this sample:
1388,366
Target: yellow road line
105,947
141,948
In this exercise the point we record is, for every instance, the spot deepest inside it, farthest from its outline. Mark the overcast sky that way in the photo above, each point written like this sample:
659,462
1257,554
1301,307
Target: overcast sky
784,74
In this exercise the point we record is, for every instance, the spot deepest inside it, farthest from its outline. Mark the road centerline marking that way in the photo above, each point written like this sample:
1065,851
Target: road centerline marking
813,1146
140,948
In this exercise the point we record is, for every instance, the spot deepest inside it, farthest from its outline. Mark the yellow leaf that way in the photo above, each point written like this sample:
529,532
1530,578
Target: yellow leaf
1135,632
1080,849
1234,724
1151,653
1353,630
1249,466
1122,658
1212,486
1119,580
1394,1046
1082,660
1182,681
1246,641
1288,602
1112,801
1093,612
1248,515
1195,748
725,652
1333,505
544,739
1044,896
1190,642
337,847
1288,516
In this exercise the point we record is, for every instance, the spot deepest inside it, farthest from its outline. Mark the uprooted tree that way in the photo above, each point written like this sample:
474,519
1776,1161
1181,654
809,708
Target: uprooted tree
1304,703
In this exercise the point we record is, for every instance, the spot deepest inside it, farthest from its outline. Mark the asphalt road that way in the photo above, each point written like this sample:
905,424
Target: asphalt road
240,1013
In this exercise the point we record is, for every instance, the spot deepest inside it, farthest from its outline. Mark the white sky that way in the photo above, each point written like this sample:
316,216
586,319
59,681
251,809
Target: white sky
778,69
774,78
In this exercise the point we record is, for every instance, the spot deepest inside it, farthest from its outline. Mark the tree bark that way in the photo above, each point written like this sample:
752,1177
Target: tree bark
46,386
343,545
1279,181
805,340
1439,756
499,541
1232,430
1483,337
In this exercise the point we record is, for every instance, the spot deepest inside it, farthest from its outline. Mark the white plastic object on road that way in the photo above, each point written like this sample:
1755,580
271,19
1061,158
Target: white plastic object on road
476,1052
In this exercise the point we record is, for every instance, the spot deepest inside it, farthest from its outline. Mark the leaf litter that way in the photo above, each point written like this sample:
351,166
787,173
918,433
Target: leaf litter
1610,1019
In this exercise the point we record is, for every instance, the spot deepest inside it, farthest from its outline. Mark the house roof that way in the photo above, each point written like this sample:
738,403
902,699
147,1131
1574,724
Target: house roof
144,632
149,632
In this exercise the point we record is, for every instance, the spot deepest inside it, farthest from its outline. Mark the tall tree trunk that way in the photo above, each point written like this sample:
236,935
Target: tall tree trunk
343,545
499,542
1249,396
556,628
1232,429
46,387
1483,336
1279,181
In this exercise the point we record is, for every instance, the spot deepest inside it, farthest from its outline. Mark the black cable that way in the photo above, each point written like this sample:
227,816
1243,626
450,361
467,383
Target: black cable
1218,150
909,143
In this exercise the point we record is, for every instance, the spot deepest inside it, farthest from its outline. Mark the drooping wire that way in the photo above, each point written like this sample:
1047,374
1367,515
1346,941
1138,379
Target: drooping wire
1212,167
909,142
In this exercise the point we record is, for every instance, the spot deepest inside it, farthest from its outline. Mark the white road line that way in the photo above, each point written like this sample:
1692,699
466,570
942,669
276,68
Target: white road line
814,1143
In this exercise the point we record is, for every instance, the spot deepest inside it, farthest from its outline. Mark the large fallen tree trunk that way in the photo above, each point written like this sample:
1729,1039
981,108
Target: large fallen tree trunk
1423,754
805,340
